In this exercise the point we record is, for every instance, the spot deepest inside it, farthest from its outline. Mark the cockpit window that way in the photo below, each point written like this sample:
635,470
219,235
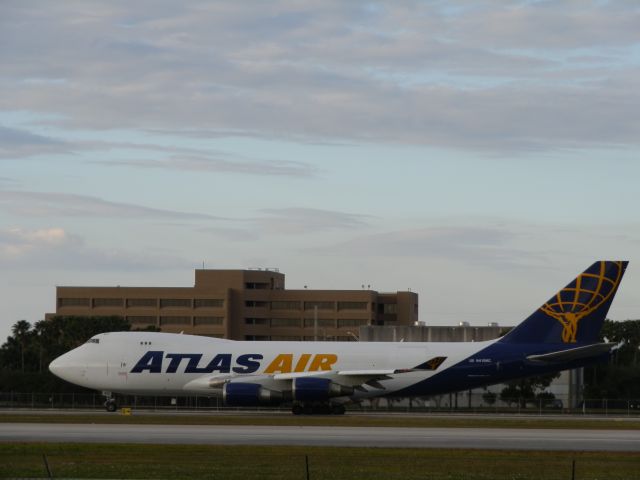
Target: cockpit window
93,340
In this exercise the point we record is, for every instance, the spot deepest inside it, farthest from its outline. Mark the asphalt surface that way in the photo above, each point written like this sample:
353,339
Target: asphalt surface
483,438
579,417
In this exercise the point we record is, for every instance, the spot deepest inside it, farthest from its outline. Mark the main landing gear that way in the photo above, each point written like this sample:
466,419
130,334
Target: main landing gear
317,409
110,404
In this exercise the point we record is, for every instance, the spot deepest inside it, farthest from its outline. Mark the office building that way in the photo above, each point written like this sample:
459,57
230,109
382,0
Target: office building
243,305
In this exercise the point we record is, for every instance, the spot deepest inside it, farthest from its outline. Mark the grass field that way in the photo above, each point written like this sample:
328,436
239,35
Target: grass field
331,420
184,461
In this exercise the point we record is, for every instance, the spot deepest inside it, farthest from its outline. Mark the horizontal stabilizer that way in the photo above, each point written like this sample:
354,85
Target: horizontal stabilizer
432,364
578,353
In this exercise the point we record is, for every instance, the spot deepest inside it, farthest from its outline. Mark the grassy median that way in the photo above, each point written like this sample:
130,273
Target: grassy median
417,421
234,462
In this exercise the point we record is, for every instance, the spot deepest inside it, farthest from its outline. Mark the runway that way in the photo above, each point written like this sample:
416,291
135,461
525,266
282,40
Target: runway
481,438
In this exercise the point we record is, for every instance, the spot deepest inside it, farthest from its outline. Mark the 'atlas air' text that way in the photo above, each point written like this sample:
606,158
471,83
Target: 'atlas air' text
152,362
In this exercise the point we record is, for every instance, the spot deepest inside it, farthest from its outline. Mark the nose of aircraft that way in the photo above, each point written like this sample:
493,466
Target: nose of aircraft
66,367
57,366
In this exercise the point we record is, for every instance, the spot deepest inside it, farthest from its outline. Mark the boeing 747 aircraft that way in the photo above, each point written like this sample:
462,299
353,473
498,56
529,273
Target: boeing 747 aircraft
322,377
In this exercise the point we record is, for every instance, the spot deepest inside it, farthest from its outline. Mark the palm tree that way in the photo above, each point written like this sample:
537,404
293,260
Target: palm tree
21,331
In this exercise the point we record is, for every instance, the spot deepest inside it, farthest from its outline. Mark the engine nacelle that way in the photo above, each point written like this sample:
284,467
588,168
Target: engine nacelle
238,394
310,389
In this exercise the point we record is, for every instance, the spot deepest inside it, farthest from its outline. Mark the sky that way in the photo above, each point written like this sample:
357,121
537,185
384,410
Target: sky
478,153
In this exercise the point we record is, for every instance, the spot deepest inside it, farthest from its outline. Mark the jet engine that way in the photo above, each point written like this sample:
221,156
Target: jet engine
310,389
238,394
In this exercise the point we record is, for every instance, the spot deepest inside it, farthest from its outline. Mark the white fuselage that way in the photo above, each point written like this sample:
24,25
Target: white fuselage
151,363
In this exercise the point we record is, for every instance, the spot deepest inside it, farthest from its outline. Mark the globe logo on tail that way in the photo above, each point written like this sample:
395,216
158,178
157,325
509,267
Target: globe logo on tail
583,296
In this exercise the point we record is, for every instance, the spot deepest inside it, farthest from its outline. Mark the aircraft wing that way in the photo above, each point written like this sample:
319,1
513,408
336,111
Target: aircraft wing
577,353
349,378
283,381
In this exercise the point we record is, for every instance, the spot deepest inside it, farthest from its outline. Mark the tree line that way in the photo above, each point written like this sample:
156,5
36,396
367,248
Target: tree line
25,356
620,377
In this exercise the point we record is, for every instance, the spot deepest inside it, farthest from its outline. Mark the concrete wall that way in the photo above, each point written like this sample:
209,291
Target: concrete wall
424,333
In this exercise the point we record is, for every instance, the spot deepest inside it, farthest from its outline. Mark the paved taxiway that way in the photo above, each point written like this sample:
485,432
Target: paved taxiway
491,438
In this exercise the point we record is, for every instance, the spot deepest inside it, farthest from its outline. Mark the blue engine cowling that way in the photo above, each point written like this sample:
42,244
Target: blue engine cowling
311,389
238,394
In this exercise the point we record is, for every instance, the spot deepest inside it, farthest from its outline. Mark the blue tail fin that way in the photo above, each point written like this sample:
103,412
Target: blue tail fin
576,313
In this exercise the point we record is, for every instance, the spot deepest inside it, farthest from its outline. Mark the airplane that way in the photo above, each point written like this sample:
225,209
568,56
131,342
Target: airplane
324,377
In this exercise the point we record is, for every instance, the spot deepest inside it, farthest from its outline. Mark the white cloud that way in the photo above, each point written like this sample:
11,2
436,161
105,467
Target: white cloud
53,248
491,76
17,242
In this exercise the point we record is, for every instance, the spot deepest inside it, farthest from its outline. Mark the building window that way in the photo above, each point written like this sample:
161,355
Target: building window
107,302
73,302
208,303
256,321
285,322
142,302
320,305
207,320
175,302
322,322
257,286
352,322
285,305
175,320
137,320
388,308
256,337
352,305
255,304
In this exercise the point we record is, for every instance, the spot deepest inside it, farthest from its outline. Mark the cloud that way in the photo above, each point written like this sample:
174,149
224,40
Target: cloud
470,244
489,76
296,220
47,204
21,143
247,234
218,165
16,242
16,143
289,221
6,181
56,248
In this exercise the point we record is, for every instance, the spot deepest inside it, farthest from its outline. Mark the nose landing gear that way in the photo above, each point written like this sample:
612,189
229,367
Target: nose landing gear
110,404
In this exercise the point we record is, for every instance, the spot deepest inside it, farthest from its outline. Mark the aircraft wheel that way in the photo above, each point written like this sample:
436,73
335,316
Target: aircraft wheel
296,409
338,409
111,405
